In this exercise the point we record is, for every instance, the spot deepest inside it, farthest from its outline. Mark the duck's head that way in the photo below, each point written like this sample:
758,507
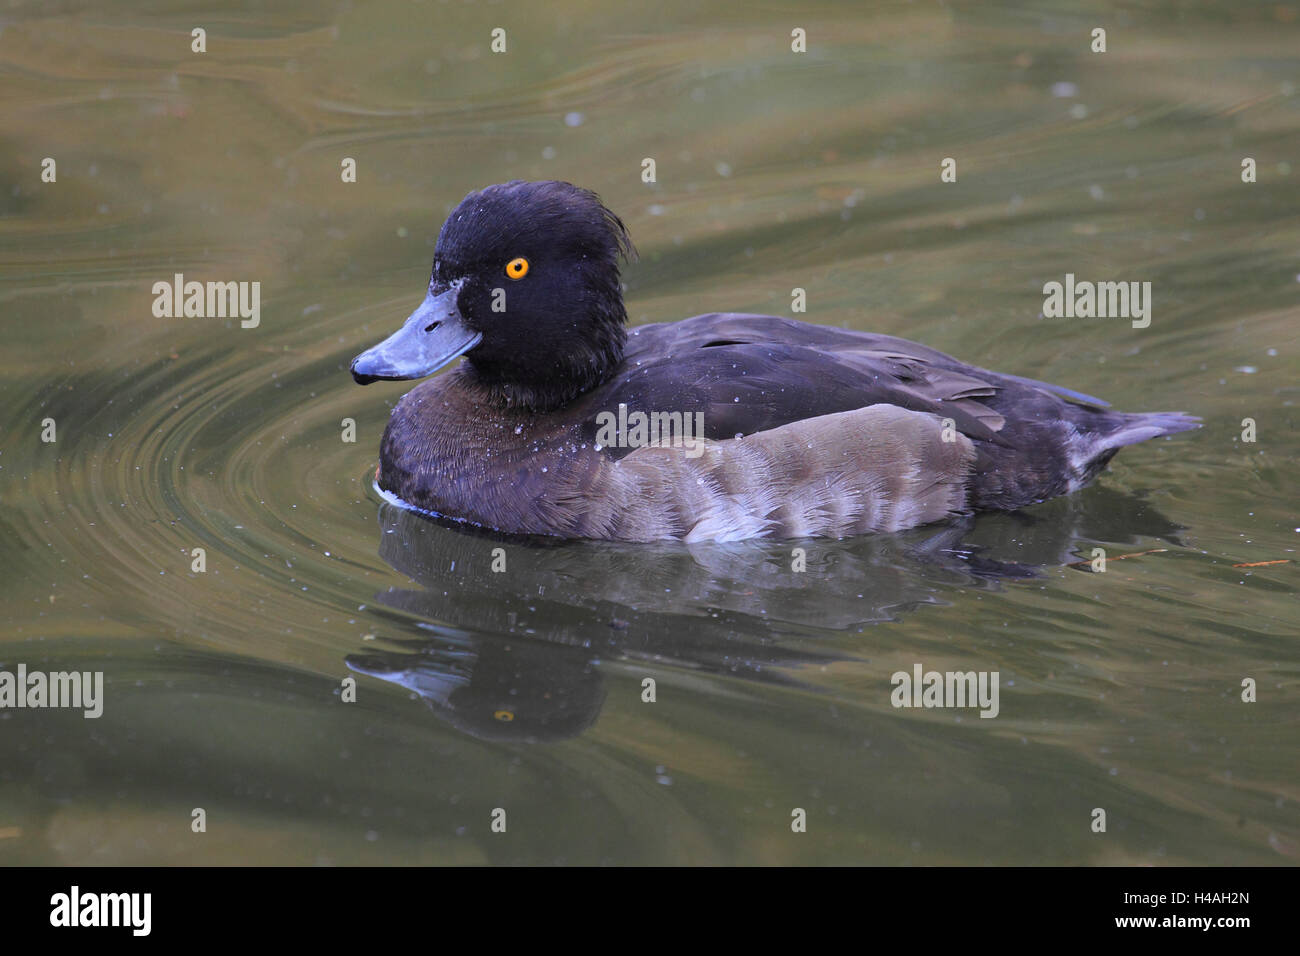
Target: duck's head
525,285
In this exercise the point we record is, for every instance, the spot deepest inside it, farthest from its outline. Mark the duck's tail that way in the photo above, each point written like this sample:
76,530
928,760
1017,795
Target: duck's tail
1139,427
1126,429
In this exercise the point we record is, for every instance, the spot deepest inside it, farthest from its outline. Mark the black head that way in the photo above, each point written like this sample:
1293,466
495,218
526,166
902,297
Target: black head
525,285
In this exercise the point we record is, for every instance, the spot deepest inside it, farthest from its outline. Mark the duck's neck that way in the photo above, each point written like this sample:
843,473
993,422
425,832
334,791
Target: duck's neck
550,385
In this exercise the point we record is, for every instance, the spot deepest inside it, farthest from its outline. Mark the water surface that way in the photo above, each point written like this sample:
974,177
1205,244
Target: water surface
523,690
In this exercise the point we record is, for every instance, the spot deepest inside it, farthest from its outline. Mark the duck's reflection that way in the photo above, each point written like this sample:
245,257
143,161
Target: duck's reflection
517,630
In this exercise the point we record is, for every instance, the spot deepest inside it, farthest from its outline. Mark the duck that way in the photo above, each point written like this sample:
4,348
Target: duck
784,429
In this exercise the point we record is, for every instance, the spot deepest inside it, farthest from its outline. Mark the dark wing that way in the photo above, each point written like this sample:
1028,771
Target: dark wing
751,373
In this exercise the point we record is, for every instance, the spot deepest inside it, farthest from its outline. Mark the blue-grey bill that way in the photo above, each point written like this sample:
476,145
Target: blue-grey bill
434,335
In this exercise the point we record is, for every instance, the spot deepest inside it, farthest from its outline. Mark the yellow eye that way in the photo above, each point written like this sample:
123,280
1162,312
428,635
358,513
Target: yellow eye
506,715
517,268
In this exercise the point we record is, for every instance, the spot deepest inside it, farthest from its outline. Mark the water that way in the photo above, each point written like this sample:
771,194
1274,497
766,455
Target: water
523,690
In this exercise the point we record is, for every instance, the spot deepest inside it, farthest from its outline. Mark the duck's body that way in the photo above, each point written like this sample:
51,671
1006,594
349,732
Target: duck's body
808,431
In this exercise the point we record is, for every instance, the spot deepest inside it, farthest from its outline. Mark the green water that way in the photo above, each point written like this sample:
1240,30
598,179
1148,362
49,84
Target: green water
522,690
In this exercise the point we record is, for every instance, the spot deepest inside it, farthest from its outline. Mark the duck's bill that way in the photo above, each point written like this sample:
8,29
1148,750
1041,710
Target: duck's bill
433,336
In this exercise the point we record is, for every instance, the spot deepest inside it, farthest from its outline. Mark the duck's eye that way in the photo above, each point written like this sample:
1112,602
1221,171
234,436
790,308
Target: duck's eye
517,268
